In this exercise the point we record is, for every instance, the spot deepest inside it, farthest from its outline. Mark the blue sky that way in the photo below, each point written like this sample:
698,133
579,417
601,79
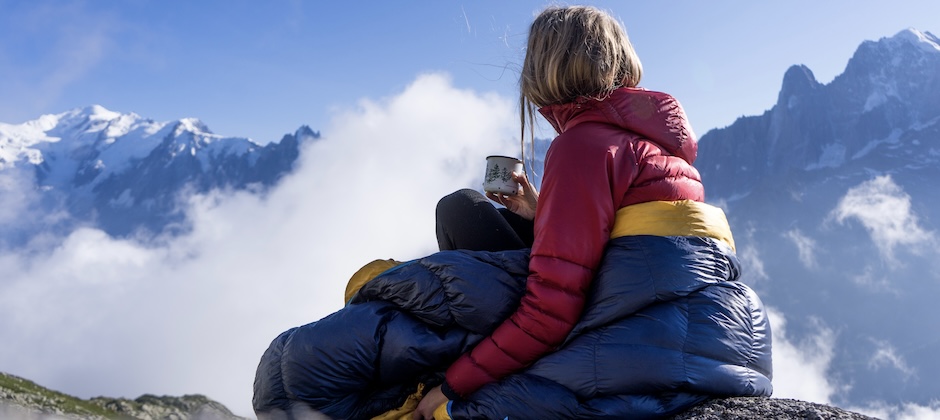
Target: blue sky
262,69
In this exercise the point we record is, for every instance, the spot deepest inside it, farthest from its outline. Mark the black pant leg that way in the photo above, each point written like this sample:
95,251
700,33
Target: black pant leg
467,220
523,227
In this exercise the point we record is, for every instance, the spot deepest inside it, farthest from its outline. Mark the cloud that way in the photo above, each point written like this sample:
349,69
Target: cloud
23,210
884,209
904,411
753,270
192,314
801,368
874,281
886,355
805,245
801,371
18,194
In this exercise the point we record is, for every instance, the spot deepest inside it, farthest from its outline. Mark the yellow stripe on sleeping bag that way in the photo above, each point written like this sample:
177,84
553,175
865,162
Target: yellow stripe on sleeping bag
673,218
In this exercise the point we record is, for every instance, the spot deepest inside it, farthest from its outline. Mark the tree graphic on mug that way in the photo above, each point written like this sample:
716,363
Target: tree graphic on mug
496,172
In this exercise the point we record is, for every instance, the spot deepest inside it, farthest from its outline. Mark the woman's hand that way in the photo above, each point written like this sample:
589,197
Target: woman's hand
522,203
433,399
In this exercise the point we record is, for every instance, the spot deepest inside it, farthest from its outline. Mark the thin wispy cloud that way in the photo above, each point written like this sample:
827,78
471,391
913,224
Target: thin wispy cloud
874,280
884,209
466,19
805,246
886,356
752,265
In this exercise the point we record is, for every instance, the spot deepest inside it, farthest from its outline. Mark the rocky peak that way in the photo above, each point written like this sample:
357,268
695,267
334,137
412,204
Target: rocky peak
798,81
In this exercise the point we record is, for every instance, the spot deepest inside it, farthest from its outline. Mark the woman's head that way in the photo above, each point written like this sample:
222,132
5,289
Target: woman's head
573,52
576,51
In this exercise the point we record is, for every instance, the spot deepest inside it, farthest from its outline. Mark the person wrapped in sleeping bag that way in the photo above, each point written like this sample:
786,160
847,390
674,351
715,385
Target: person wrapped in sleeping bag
648,346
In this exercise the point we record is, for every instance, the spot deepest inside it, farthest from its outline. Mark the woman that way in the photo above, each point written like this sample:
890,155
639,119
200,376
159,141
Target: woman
617,147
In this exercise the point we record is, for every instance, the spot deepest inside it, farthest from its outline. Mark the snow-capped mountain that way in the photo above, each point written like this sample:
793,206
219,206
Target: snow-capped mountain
123,173
833,199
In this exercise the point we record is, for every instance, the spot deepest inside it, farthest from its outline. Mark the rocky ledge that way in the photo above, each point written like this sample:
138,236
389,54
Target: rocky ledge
766,408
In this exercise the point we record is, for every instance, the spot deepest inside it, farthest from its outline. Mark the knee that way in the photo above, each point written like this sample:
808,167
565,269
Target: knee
459,201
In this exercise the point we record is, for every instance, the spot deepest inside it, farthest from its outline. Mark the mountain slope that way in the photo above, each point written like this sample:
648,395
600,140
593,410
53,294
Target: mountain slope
831,196
24,399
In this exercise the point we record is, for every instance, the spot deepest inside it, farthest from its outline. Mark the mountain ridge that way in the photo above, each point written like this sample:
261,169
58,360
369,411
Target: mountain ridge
123,173
827,125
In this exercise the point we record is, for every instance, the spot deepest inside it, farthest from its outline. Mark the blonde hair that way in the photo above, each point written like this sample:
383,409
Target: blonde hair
573,52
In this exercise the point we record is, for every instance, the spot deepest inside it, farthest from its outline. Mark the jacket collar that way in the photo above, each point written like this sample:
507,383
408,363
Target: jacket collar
655,116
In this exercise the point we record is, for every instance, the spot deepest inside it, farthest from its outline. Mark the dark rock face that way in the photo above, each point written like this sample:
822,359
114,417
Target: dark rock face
766,408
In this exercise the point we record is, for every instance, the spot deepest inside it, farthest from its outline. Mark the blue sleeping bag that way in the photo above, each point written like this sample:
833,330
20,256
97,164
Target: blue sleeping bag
667,325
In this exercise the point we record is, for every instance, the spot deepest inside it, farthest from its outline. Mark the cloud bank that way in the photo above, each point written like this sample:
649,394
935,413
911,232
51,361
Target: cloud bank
101,316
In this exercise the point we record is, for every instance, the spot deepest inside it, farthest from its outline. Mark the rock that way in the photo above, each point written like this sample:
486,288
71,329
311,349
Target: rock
744,408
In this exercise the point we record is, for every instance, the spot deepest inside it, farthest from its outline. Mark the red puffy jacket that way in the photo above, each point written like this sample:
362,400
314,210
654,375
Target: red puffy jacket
634,146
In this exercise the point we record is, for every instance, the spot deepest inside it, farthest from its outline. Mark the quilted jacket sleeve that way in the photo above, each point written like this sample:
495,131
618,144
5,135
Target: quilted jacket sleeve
572,225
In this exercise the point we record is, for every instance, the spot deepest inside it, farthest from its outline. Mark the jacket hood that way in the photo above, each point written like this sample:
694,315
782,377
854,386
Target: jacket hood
656,116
